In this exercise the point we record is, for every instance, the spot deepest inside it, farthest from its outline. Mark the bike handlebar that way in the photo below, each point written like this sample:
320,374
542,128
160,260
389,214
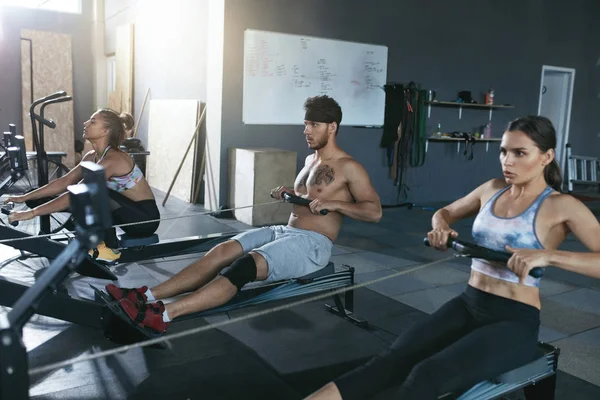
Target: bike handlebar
57,97
58,100
47,98
475,251
48,122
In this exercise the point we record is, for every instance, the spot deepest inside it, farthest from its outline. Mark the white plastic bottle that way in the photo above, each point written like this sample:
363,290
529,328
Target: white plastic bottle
487,131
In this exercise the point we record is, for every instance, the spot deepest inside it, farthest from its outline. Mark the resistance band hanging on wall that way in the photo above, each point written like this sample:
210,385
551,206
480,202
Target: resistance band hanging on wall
419,136
404,134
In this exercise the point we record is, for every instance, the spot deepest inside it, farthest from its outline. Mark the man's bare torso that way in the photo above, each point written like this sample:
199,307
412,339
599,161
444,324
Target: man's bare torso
322,179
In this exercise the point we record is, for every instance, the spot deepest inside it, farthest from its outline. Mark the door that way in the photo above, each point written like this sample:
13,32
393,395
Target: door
556,96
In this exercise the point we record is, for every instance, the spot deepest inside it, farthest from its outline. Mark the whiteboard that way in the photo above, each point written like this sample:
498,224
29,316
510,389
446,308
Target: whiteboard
282,70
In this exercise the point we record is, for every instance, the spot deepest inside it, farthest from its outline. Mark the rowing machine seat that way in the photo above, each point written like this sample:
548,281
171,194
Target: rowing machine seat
329,269
536,367
126,241
536,377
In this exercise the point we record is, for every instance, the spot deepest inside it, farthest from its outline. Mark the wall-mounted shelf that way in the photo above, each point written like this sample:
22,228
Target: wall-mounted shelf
460,106
459,141
450,139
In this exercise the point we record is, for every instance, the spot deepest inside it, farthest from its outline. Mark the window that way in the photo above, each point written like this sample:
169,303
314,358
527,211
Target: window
111,74
66,6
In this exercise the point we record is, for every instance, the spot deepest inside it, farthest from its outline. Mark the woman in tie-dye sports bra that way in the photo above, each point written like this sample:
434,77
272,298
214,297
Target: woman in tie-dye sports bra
495,232
131,198
492,327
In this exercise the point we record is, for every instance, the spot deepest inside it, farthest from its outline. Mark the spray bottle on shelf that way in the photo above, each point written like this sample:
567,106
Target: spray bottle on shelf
438,132
489,97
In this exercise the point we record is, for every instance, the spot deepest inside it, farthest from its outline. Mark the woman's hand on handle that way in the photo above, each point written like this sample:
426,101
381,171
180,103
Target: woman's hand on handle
438,237
523,261
277,193
20,216
16,199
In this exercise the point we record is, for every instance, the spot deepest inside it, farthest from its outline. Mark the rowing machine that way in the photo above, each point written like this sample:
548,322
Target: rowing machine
89,204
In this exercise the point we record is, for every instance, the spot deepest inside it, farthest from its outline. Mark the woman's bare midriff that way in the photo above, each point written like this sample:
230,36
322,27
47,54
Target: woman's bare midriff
328,225
141,191
524,294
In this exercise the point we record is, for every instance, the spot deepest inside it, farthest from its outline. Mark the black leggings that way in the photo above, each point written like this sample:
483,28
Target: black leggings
474,337
125,211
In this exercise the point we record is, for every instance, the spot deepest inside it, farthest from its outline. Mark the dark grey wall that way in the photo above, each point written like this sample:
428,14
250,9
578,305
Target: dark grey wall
443,45
12,20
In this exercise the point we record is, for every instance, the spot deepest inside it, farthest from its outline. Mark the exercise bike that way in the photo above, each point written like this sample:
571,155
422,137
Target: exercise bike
22,172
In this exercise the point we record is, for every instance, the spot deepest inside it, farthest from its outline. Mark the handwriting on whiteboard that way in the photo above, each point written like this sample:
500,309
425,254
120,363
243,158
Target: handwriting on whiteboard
261,61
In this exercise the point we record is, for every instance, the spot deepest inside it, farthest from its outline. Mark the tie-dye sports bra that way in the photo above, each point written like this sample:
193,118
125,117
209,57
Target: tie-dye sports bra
495,233
121,183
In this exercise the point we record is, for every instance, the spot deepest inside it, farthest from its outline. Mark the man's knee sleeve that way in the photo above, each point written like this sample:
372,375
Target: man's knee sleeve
242,271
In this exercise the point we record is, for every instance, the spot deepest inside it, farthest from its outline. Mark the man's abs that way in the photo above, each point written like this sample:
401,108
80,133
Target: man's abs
328,225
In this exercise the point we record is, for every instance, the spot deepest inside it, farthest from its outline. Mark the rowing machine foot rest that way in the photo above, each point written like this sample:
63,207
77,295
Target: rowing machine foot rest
117,325
126,241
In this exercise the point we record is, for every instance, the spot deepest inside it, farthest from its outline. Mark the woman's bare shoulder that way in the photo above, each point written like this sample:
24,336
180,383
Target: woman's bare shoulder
562,201
492,186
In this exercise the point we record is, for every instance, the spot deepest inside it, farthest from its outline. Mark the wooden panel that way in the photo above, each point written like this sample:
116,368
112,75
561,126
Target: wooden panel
171,125
50,71
124,58
114,101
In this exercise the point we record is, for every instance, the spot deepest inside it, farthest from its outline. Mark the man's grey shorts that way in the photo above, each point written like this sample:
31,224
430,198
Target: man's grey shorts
290,252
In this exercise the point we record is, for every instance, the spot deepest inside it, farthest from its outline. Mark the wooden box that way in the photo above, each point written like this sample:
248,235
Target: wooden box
253,173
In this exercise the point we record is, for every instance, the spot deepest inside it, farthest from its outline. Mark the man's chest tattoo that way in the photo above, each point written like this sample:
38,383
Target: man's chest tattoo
323,174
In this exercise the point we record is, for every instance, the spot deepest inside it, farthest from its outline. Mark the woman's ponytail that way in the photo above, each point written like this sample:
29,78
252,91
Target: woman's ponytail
553,176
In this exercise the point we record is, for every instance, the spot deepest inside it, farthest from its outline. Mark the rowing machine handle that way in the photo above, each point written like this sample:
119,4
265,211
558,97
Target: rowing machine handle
6,209
290,198
485,253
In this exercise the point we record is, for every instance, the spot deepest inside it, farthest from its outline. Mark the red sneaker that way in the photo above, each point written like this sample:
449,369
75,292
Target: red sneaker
136,295
146,315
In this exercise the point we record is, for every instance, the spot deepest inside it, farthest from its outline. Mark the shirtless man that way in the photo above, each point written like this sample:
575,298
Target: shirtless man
330,176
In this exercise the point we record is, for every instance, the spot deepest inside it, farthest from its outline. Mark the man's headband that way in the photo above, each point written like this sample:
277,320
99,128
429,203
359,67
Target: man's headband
318,116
